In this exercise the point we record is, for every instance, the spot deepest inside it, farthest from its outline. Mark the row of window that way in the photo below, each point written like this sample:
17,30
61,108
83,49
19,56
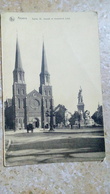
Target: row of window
21,103
47,103
47,93
20,91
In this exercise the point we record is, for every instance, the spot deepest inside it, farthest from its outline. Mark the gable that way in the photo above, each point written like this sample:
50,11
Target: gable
34,94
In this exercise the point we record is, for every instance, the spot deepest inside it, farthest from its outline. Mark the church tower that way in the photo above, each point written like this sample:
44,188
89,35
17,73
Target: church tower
45,90
19,93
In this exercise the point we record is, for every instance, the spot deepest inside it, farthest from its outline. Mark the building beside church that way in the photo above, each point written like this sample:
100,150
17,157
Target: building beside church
25,108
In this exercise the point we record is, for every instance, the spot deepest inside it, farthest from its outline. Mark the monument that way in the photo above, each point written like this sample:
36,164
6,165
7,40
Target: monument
80,106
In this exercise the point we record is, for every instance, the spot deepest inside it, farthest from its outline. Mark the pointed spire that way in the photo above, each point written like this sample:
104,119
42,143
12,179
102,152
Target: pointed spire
18,62
44,75
44,68
18,73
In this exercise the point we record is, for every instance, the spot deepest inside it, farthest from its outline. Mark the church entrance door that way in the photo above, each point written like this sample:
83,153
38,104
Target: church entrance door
37,123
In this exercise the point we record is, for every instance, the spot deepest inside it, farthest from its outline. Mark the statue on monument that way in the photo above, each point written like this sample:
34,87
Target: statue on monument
80,97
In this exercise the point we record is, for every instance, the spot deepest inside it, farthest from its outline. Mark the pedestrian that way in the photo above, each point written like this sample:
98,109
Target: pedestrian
79,125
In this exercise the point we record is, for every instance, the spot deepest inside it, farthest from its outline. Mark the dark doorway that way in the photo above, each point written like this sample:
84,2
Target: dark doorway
36,123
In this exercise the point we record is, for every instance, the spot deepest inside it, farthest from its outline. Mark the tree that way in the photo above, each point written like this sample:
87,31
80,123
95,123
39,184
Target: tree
98,116
60,114
74,117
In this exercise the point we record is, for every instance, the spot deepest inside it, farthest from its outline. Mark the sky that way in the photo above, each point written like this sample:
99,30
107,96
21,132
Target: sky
72,51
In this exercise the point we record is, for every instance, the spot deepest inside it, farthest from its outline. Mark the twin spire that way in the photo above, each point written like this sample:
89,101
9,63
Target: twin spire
44,75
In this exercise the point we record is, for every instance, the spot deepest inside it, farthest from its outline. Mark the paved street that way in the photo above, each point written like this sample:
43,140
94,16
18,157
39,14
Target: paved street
61,145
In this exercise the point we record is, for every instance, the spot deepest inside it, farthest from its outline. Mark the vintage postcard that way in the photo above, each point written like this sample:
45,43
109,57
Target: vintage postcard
52,99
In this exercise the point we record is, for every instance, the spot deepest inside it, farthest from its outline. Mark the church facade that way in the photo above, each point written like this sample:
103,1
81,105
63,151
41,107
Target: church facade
37,106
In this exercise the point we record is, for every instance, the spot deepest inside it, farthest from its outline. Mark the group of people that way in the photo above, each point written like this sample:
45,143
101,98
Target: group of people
30,127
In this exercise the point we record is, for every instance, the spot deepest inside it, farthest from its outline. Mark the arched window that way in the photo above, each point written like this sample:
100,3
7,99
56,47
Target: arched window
23,103
45,92
18,91
46,103
47,79
20,76
23,76
20,122
50,103
49,93
22,91
18,103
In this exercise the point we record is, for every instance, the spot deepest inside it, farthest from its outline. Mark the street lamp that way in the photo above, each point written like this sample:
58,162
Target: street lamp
51,114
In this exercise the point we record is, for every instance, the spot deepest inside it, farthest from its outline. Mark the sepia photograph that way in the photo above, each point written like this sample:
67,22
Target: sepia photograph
52,96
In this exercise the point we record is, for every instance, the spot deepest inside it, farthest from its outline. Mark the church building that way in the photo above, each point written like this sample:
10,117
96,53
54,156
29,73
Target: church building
36,107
